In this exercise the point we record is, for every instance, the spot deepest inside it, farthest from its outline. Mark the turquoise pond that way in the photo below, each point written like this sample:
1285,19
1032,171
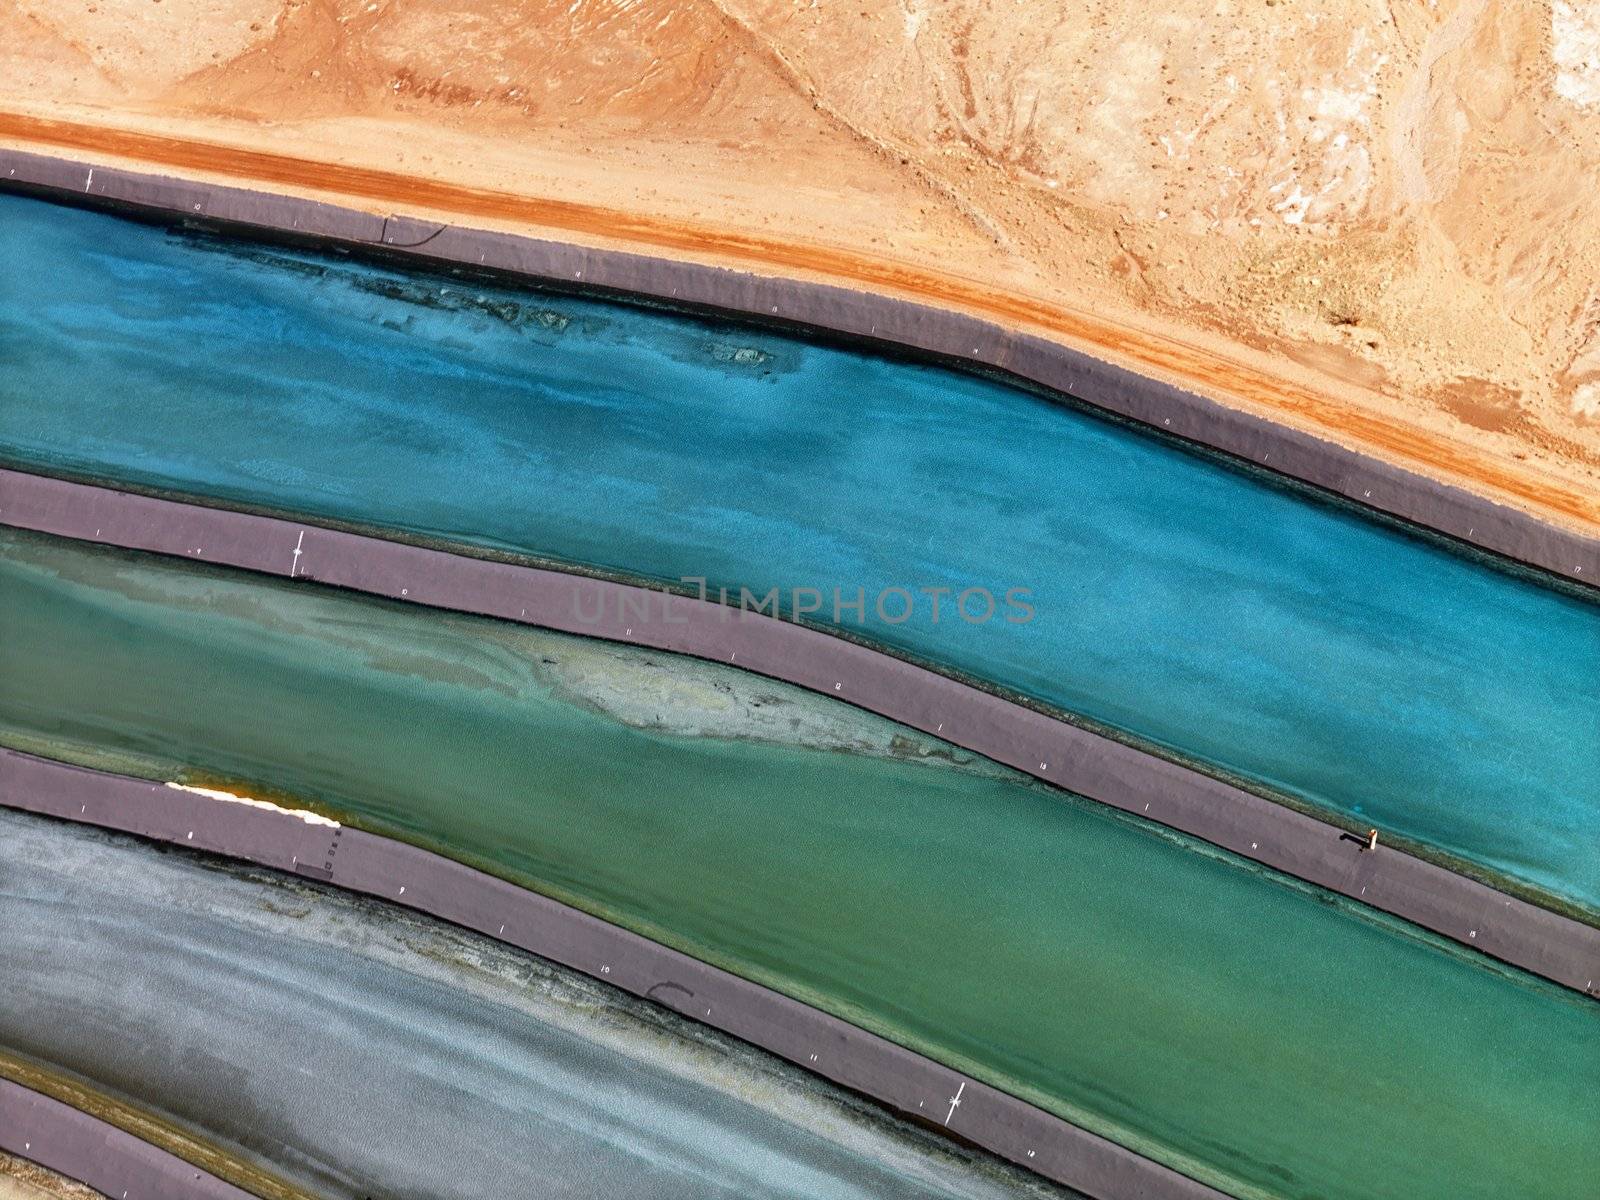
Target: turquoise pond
1298,646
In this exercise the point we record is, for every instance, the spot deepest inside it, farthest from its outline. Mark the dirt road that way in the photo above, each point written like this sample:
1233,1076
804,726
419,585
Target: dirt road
1394,440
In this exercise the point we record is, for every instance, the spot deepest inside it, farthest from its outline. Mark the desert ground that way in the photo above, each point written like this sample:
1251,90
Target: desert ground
1378,221
23,1180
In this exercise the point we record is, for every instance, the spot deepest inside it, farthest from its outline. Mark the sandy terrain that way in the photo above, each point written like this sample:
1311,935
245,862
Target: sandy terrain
1379,221
23,1180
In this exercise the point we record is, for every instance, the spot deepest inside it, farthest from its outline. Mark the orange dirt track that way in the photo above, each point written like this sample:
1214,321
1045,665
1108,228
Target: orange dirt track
1209,373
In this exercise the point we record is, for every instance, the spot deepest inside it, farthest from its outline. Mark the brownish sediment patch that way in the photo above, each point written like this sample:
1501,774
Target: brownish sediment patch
1363,222
1481,404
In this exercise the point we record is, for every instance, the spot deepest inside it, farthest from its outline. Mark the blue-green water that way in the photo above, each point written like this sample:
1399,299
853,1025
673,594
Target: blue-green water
1295,645
1269,1038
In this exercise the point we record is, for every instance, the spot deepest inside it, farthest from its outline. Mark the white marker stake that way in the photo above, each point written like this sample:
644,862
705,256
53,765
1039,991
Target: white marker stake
955,1102
300,541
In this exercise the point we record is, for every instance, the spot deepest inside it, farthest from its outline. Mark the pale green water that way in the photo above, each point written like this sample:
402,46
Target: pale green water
1274,1041
436,1064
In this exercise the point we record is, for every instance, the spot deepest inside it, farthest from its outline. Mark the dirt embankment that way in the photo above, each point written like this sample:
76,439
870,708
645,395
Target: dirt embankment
1380,223
24,1180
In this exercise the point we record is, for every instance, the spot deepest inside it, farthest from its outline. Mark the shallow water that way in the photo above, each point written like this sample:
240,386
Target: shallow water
1296,645
1269,1038
355,1051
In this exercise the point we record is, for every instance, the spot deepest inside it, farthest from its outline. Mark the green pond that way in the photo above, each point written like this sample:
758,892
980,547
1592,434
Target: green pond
1253,1032
445,1066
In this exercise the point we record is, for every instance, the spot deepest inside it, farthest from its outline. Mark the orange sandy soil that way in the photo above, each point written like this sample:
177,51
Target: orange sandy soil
1376,221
